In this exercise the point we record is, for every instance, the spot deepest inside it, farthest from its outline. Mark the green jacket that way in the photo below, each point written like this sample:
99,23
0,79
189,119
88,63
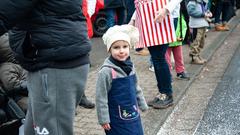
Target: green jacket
178,32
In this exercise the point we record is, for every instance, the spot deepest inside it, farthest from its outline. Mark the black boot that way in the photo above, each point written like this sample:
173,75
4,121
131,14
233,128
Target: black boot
3,117
86,103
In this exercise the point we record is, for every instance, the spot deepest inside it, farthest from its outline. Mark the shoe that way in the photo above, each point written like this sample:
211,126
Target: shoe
3,117
164,101
183,76
219,27
226,27
86,103
151,68
151,102
197,60
143,52
204,60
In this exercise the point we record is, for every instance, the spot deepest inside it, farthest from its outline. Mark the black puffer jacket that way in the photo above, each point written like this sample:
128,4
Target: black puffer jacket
46,33
114,4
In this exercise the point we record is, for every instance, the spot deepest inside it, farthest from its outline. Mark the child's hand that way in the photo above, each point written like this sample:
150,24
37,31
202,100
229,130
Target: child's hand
208,14
132,22
161,14
144,108
106,126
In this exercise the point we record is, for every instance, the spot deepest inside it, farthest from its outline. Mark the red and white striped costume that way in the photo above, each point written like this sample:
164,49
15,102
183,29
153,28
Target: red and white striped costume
153,33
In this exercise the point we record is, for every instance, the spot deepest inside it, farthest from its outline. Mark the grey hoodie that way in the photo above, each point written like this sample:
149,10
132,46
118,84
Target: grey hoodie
103,86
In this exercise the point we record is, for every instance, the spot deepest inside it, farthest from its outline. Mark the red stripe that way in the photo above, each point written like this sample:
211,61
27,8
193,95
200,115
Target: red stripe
152,33
157,36
160,26
145,18
165,28
151,24
145,42
165,2
169,25
165,25
138,24
154,15
161,32
142,35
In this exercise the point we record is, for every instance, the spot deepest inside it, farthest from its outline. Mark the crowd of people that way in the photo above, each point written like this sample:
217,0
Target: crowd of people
44,57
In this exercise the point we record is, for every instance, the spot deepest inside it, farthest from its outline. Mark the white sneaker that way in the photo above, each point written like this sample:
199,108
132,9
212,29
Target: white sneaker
151,68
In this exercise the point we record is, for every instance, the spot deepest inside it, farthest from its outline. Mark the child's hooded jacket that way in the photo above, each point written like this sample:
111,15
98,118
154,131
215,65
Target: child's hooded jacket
104,85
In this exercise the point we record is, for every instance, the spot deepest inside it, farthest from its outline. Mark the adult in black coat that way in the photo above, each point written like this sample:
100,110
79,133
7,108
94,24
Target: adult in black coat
49,39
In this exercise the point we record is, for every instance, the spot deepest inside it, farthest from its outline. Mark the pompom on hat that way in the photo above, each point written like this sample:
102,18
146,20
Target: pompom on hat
125,32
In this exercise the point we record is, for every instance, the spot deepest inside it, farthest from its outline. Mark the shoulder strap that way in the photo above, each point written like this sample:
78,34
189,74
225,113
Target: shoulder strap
114,74
181,35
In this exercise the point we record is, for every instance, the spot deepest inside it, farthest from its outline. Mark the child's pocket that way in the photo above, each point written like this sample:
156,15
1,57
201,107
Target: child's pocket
129,112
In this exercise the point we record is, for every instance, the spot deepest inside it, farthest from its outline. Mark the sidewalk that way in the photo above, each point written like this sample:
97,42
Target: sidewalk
86,120
222,113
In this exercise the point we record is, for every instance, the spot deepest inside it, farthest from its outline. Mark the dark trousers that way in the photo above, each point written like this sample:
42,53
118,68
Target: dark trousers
161,68
130,9
115,16
237,4
224,8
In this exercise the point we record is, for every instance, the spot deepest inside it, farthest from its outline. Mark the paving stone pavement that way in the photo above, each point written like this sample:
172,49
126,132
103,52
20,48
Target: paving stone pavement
185,117
86,119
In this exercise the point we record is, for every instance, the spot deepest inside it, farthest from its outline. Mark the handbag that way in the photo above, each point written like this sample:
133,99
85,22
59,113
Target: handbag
13,110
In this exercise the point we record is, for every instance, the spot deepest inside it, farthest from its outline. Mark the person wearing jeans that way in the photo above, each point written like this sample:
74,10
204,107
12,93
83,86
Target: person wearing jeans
161,68
110,14
115,12
130,9
163,76
156,37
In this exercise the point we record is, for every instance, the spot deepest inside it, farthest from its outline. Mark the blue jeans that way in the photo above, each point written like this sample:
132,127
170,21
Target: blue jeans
130,9
161,68
110,13
121,16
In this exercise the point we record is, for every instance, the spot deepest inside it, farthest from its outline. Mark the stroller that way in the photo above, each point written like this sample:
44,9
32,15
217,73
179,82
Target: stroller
11,114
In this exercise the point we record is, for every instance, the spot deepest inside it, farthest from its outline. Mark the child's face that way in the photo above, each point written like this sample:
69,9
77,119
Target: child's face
120,50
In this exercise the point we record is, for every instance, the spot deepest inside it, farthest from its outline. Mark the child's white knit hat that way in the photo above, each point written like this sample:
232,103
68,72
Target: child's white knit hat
125,32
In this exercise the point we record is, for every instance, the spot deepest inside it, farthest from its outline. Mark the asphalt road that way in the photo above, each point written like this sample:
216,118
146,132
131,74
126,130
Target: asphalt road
222,116
187,116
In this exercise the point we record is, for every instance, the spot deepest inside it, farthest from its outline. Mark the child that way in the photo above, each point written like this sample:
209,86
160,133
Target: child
176,47
198,21
118,96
